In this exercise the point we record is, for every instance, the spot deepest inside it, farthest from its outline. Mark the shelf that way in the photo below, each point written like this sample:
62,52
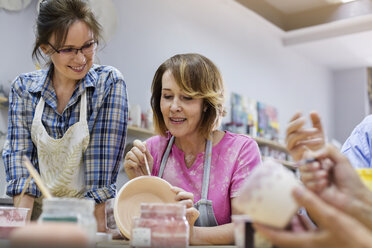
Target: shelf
270,143
4,102
140,132
288,164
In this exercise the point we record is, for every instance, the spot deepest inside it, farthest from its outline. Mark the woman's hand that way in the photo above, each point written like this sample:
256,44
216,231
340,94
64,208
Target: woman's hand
187,199
332,169
184,197
134,161
334,179
300,139
336,229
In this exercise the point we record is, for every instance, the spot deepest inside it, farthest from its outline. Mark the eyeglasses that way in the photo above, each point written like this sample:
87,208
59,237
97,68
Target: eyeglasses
87,49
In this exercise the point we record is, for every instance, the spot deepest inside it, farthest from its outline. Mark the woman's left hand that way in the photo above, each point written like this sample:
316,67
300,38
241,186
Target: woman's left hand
184,197
187,199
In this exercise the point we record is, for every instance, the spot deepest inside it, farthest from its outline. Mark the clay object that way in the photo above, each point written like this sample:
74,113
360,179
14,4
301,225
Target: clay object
144,189
266,197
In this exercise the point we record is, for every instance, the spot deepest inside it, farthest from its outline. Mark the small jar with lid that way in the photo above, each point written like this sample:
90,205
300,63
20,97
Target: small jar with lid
161,225
72,210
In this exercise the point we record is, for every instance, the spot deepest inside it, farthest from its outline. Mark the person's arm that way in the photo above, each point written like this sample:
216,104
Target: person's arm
18,143
216,235
27,201
357,147
336,229
300,139
108,126
100,214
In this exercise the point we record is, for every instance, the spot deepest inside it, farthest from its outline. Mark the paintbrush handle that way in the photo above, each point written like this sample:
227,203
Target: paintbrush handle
147,166
23,192
44,190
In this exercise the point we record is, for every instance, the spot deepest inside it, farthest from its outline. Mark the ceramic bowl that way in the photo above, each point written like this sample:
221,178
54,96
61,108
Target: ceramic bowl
144,189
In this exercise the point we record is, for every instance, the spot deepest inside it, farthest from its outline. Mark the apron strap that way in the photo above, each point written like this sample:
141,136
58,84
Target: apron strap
83,107
165,157
207,169
39,110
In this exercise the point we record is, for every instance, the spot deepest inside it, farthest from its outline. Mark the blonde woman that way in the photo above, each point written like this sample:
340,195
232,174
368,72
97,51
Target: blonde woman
209,165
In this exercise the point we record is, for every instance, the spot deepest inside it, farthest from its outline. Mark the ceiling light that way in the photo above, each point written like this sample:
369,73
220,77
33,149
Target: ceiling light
340,1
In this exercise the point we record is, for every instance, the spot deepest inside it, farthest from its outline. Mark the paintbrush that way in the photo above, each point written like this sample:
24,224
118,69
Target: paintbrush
44,190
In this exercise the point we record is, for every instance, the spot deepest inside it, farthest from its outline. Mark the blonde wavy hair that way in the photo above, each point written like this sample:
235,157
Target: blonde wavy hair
198,77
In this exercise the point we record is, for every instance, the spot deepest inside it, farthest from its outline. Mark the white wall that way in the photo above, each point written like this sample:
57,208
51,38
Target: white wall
351,101
247,50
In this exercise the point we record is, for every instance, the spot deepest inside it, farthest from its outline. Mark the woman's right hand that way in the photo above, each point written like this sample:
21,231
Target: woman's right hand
134,161
300,139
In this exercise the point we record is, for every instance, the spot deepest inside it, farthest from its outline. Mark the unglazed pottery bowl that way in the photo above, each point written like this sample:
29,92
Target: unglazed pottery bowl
144,189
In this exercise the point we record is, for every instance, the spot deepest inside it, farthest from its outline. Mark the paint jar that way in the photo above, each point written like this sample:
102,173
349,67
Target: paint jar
161,225
71,210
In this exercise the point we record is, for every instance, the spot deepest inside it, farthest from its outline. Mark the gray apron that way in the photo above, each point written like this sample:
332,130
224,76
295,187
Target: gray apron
206,217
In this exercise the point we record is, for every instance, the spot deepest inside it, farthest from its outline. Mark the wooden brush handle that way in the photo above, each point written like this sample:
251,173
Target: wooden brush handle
44,190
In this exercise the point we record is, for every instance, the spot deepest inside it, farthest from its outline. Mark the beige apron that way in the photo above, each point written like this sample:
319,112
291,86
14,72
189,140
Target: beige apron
61,160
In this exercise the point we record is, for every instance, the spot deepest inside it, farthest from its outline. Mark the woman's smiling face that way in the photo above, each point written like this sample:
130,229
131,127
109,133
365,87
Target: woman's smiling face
181,113
73,67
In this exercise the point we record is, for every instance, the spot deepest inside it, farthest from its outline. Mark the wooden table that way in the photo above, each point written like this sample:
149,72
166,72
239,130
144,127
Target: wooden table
125,244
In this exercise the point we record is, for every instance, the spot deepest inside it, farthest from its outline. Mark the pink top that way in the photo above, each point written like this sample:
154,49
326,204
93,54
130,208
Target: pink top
232,160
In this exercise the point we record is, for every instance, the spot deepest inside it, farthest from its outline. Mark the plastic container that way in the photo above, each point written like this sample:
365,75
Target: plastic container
71,210
160,225
11,218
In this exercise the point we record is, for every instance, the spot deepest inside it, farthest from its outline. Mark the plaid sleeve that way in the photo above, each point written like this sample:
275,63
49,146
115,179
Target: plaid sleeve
107,141
18,141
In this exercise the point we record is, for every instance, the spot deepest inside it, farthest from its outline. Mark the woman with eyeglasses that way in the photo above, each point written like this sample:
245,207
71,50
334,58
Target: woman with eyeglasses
70,119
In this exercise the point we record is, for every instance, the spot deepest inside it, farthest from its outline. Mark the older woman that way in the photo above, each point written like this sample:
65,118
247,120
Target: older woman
190,153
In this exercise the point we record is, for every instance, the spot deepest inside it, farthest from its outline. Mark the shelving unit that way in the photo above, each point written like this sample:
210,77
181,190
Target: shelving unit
3,101
270,143
140,131
276,146
288,164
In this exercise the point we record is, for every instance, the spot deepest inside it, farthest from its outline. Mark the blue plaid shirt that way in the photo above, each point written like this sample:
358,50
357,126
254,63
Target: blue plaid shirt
107,116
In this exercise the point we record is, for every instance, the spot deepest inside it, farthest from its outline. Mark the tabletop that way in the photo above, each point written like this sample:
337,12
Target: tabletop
125,244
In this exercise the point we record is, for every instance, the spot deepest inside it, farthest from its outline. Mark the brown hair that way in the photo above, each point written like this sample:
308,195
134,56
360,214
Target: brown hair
56,17
198,77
